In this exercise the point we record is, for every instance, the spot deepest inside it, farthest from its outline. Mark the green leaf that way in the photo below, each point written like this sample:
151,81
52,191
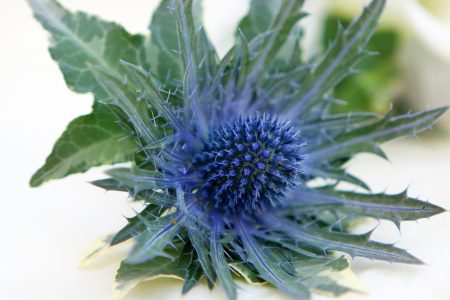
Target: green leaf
182,265
135,225
352,244
199,59
167,62
153,240
368,138
259,18
91,140
379,76
197,235
245,271
130,275
137,180
328,127
280,30
339,60
148,91
336,173
395,208
316,274
269,266
125,97
194,272
220,265
79,40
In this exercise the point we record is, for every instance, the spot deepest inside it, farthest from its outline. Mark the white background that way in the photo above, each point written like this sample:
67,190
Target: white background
45,231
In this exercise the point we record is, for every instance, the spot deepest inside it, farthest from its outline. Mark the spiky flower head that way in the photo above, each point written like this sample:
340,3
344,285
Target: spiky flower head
249,164
227,151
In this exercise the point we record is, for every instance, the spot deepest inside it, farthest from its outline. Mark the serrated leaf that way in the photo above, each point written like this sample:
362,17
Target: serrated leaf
167,62
91,140
137,180
274,39
395,208
334,173
135,225
78,39
368,138
318,274
352,244
194,272
268,267
220,264
199,56
182,265
130,275
259,18
153,240
124,97
149,92
248,273
328,127
197,235
337,63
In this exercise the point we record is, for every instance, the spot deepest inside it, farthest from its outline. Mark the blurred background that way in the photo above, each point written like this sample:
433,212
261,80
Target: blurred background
45,231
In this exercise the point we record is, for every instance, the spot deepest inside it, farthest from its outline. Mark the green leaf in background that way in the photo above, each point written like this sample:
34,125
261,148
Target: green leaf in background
90,140
378,80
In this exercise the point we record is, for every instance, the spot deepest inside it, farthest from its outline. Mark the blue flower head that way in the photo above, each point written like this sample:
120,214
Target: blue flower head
230,150
248,165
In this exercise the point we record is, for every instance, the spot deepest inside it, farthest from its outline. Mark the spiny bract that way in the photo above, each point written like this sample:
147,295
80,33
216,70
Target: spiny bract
225,150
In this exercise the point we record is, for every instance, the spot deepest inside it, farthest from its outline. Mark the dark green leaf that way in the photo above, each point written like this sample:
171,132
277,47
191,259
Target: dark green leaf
194,272
90,140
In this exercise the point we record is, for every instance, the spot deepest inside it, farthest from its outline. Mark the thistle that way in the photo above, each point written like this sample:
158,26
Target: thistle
225,153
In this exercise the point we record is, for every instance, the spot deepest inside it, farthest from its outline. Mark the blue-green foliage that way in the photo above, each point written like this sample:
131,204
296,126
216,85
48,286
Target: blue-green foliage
225,149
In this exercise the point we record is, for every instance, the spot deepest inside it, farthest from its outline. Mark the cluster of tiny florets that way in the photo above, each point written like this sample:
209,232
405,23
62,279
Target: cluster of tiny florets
248,165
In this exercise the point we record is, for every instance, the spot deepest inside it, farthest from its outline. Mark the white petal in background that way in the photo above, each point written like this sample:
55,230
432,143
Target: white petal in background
45,231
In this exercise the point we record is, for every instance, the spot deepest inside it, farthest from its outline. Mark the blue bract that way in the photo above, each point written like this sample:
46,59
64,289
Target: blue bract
237,160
